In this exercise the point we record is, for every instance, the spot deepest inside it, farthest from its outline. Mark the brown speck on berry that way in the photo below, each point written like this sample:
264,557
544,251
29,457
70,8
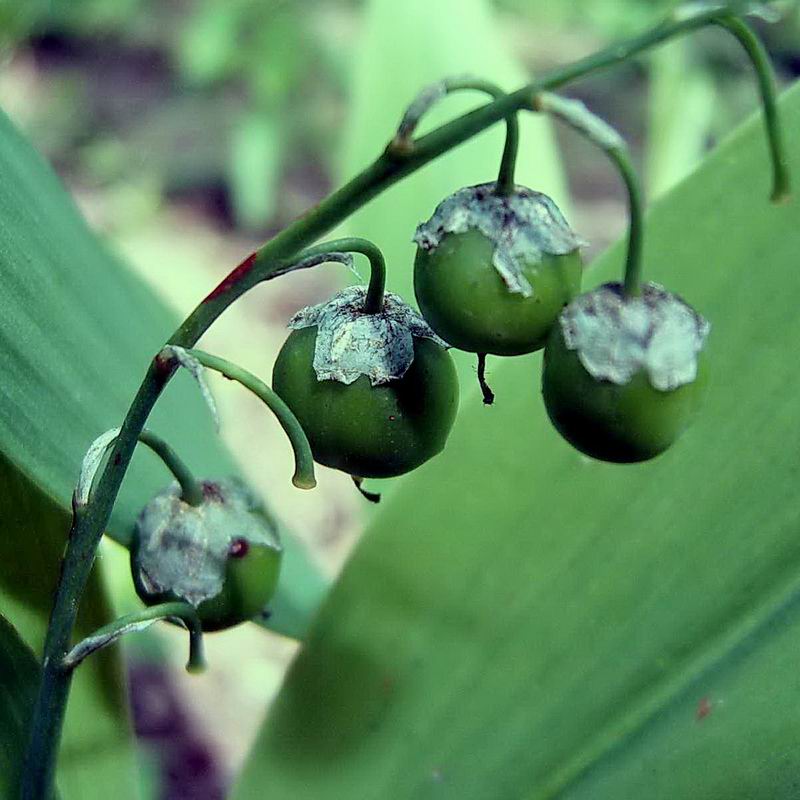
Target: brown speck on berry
211,491
238,548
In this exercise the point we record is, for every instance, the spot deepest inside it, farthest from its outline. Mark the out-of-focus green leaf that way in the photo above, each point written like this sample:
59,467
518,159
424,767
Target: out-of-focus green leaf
255,169
523,622
278,53
17,19
611,17
94,16
19,678
76,333
209,41
681,110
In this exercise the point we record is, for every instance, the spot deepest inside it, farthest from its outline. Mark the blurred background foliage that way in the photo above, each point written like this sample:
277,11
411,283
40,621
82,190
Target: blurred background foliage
191,130
237,106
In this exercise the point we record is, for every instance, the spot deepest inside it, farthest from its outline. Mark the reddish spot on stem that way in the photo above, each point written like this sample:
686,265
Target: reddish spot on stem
238,548
212,492
165,365
234,277
703,709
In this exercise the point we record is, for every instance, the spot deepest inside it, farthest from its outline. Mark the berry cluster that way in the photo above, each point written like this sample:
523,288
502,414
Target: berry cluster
365,384
376,393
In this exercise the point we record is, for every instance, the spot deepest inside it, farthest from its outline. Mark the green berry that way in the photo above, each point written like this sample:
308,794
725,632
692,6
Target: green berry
376,394
624,376
492,273
222,556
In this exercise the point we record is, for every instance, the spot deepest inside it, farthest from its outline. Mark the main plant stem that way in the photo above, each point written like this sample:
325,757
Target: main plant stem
89,523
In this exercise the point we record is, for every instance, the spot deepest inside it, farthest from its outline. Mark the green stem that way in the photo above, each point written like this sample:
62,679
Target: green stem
759,59
303,477
191,491
137,621
508,162
90,522
600,133
633,261
319,253
404,143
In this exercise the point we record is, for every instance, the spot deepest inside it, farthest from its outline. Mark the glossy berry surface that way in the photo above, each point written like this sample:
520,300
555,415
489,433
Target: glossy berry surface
251,577
621,422
465,300
370,431
222,556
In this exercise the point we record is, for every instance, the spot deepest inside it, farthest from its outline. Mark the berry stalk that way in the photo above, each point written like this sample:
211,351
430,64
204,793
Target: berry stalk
191,492
332,251
185,613
428,97
303,477
600,133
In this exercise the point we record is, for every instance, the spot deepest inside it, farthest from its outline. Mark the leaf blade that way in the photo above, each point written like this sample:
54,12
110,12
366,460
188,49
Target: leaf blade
19,675
72,351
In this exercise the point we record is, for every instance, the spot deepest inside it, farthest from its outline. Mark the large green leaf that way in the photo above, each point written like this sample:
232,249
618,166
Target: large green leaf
520,621
19,675
76,332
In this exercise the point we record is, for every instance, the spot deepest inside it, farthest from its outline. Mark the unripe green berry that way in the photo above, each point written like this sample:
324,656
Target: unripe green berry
375,394
492,273
624,376
222,556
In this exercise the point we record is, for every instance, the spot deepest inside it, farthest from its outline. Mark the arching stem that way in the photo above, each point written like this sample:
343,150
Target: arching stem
191,491
488,394
303,476
428,97
185,613
333,251
600,133
759,59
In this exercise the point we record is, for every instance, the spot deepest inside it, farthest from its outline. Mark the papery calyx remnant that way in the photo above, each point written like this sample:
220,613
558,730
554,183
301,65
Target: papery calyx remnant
418,107
185,359
616,336
183,549
351,343
523,228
